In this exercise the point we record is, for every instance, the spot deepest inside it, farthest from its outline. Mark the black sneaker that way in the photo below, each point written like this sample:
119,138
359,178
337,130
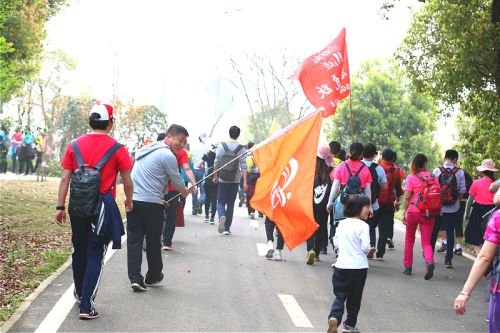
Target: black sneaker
153,283
324,250
448,264
407,270
390,244
139,286
430,271
86,314
442,248
458,252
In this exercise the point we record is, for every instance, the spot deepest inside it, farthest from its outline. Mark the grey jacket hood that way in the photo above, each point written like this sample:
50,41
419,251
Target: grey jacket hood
149,149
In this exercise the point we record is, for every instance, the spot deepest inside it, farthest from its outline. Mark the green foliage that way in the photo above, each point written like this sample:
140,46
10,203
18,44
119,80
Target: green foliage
7,122
386,113
22,31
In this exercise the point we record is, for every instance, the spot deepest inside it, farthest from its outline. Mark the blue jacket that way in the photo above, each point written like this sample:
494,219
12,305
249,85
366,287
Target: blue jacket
109,225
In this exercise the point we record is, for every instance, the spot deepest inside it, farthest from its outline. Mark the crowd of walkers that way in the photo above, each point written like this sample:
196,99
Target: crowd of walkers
24,148
354,194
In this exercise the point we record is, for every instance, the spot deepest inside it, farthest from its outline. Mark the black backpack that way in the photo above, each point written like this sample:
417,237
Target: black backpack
228,172
84,196
353,185
449,185
375,186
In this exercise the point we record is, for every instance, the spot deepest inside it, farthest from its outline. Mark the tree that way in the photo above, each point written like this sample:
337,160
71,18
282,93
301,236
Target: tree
452,53
22,31
268,91
386,113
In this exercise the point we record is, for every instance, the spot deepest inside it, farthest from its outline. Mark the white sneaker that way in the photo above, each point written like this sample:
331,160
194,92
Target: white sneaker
270,250
222,221
226,233
277,256
252,216
206,219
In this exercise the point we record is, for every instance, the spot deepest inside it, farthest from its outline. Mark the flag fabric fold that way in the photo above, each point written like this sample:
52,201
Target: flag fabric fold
324,76
284,191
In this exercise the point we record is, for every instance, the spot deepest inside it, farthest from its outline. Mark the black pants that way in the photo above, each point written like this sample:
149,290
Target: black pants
348,285
26,166
14,161
317,241
210,200
385,221
372,222
3,158
448,220
270,233
169,218
146,219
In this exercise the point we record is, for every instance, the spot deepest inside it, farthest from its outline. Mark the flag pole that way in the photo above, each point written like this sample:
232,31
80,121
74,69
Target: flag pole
350,115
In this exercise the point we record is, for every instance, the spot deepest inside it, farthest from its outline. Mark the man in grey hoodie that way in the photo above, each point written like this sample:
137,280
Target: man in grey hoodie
155,165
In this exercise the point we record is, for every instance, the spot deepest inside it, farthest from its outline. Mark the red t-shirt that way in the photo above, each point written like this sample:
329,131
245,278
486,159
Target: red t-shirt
182,158
93,147
480,189
342,174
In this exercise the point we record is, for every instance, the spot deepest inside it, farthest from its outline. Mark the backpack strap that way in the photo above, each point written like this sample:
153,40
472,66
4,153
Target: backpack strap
348,169
111,151
360,168
78,154
237,149
224,145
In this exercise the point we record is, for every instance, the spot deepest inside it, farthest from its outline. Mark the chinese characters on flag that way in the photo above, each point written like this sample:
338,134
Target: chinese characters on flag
324,76
283,193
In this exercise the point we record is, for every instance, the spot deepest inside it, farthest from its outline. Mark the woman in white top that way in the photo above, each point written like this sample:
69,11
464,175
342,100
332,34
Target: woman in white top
352,238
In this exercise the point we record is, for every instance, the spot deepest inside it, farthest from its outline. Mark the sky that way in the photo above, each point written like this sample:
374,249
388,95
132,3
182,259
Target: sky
166,53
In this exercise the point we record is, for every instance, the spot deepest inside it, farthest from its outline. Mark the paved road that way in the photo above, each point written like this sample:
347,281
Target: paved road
220,283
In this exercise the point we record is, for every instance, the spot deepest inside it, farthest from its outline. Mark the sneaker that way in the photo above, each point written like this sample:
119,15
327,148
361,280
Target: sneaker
77,298
252,216
324,250
212,220
167,247
407,270
88,314
390,244
311,255
270,250
458,251
261,215
379,257
332,325
194,212
442,248
349,329
227,233
317,257
222,222
448,264
241,202
206,219
153,283
139,286
371,252
430,271
277,256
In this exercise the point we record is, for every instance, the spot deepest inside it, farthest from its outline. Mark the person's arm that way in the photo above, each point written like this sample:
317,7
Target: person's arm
496,198
333,194
368,194
495,186
399,193
190,175
461,186
365,238
128,189
406,203
468,207
61,196
481,264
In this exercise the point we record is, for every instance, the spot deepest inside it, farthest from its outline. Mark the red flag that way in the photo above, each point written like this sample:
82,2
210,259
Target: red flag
324,76
284,191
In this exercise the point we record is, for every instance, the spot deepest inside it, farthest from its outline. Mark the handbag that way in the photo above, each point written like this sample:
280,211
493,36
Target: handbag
179,214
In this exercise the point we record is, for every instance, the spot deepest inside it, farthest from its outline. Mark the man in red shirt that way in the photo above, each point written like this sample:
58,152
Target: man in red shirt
88,246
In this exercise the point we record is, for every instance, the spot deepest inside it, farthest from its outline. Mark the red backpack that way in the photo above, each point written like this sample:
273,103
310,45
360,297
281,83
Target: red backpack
387,197
429,199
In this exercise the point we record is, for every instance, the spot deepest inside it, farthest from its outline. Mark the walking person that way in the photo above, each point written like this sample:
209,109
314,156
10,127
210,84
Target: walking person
452,181
379,183
17,141
89,247
210,187
389,201
155,166
229,178
26,153
252,176
4,148
321,190
351,268
198,151
479,203
418,179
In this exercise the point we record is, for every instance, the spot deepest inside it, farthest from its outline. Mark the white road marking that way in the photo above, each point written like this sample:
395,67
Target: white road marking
62,308
261,249
298,316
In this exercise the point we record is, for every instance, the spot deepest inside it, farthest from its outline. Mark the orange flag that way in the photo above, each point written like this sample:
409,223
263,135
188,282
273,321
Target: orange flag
284,191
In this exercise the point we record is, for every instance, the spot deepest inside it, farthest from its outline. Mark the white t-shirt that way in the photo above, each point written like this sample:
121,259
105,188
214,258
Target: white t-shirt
352,238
